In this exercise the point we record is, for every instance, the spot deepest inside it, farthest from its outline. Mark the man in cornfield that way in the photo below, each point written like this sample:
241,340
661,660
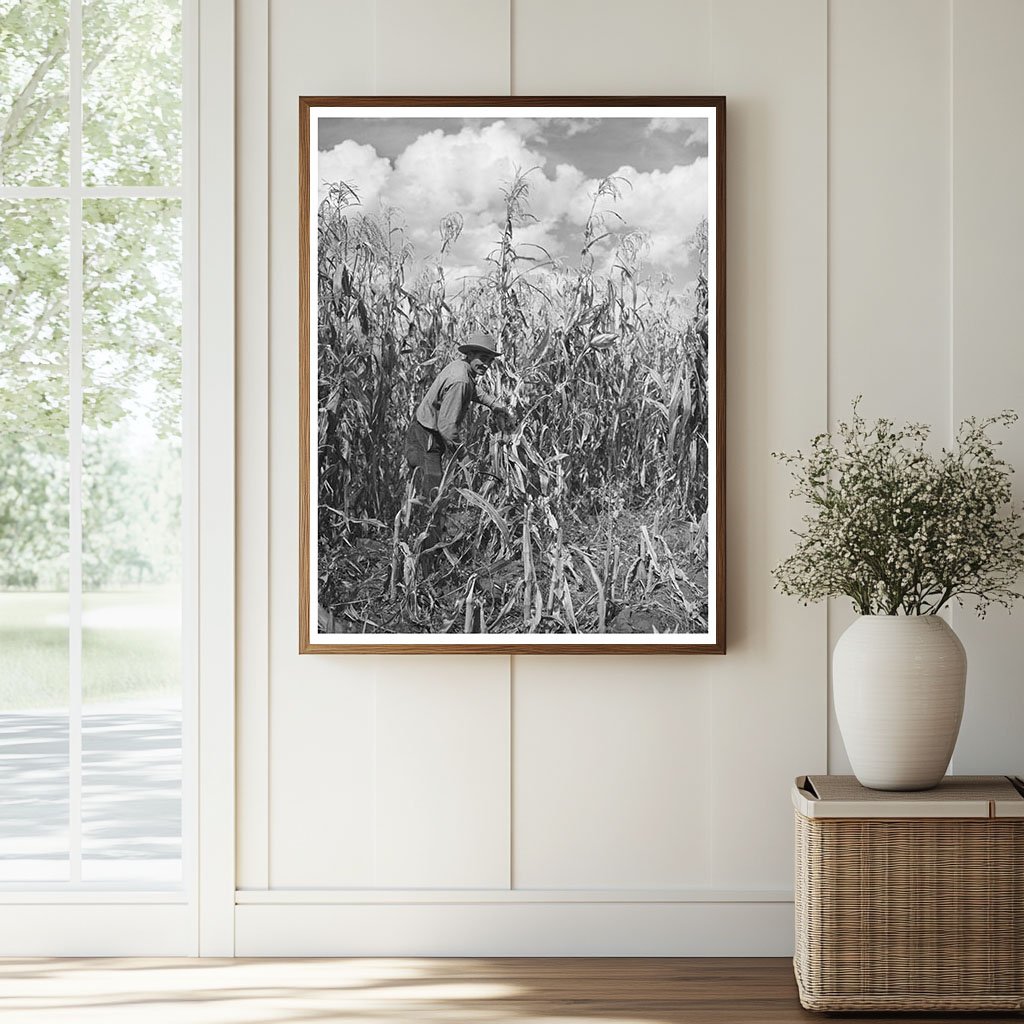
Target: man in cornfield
438,428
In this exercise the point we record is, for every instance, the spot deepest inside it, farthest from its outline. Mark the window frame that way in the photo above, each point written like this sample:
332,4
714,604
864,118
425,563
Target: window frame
75,918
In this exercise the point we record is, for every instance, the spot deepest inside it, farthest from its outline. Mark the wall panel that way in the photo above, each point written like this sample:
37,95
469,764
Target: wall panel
769,692
597,799
889,209
889,245
442,48
320,709
323,777
442,773
611,785
987,361
601,47
872,248
330,825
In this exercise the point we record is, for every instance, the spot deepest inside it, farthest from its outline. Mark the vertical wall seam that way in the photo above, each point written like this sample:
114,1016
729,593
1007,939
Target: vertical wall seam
511,58
375,834
711,49
950,211
266,737
950,360
511,691
828,342
950,149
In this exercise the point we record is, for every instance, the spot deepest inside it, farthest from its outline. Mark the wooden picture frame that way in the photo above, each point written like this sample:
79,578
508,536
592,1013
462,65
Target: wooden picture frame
575,504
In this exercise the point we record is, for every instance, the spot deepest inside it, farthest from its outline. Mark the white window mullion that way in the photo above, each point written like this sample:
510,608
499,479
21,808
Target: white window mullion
95,191
34,192
75,300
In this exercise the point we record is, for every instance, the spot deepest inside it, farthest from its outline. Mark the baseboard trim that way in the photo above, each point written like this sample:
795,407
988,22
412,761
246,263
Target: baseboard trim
350,897
515,928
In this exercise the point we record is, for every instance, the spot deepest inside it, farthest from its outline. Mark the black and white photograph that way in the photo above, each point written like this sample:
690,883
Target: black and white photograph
511,348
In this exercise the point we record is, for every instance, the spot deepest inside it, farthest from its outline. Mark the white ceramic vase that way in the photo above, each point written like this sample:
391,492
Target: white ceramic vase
898,683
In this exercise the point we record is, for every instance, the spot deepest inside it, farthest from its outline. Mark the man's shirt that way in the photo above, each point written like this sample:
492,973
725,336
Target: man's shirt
447,401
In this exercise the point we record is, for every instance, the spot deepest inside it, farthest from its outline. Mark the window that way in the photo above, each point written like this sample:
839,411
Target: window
95,455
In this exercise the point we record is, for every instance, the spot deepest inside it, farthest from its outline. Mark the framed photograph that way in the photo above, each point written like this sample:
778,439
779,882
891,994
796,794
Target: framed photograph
512,375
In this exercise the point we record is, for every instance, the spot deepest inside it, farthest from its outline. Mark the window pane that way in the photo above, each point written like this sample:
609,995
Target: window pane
33,92
131,92
33,540
131,541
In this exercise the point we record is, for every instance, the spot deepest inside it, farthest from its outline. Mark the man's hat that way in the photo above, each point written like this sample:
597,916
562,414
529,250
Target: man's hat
480,342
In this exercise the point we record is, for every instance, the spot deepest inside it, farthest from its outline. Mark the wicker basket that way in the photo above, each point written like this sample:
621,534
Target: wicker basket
910,901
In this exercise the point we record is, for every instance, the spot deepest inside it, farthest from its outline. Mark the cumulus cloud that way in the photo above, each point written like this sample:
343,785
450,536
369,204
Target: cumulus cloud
666,205
439,173
532,129
356,164
550,198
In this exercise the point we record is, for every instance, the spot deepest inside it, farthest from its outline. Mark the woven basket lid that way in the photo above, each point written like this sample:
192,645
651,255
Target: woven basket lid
957,796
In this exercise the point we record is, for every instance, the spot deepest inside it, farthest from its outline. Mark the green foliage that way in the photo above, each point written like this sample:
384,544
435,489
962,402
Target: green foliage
588,513
131,388
33,322
132,312
898,529
34,92
33,514
131,92
131,510
131,360
131,96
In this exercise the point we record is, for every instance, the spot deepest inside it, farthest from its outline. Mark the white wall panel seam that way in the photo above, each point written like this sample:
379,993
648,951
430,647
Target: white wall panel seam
828,343
265,683
512,91
714,91
951,127
950,348
510,712
375,802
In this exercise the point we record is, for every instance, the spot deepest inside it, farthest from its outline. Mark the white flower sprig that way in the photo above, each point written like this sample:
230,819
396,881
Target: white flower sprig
900,530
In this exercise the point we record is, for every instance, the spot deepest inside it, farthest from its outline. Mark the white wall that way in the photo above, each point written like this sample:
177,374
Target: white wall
625,805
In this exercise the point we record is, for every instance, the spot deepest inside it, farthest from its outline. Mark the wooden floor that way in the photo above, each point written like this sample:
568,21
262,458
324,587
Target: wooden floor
382,991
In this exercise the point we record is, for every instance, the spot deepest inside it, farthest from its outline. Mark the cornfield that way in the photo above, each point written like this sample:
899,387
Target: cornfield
586,512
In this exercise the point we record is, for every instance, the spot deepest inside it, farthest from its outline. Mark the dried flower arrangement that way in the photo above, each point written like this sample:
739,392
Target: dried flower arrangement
900,530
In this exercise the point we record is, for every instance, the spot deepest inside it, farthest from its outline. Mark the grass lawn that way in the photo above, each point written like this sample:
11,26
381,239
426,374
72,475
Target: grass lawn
130,647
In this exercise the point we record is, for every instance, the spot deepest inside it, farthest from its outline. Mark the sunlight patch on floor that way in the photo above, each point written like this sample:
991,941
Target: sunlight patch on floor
219,991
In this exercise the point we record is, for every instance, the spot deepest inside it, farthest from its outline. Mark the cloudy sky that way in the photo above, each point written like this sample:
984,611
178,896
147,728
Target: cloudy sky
427,167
